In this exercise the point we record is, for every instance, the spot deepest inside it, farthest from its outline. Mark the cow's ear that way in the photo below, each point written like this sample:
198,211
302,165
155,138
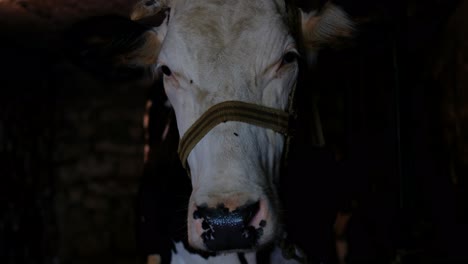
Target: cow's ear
153,14
329,26
148,8
111,45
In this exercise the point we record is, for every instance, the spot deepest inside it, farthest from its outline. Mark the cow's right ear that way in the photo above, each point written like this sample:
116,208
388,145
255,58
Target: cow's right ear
148,8
153,14
112,46
327,27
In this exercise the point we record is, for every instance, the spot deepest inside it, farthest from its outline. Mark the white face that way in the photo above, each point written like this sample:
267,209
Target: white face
212,51
216,51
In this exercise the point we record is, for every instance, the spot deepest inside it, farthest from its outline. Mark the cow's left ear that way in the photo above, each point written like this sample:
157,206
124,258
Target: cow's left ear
328,27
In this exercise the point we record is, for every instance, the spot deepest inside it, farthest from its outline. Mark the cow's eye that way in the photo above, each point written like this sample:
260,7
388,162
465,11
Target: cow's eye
289,57
166,71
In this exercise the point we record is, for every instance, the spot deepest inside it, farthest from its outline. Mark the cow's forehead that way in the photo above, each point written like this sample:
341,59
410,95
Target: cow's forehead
233,6
225,35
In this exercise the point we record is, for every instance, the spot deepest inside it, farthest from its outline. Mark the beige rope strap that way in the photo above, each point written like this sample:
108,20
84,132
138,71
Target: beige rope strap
258,115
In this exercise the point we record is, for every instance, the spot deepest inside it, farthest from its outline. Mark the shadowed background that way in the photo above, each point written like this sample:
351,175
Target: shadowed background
395,121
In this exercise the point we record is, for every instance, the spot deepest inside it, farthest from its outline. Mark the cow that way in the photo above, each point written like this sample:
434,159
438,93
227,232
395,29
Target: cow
229,70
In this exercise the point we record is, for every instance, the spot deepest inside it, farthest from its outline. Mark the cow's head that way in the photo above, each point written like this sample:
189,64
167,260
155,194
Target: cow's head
213,51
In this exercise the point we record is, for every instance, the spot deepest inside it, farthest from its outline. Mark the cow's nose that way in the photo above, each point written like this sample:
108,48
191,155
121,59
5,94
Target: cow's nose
227,230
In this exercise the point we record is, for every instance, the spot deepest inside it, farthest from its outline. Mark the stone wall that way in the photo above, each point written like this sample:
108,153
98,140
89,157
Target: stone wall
451,72
71,143
62,12
99,160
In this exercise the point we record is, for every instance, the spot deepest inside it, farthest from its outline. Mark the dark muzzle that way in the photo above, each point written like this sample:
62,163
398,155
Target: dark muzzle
225,230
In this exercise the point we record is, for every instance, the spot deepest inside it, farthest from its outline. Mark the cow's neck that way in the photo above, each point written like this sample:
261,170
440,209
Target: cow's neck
182,255
272,255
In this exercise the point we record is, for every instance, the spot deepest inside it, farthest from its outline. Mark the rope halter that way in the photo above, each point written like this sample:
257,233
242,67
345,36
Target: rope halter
254,114
258,115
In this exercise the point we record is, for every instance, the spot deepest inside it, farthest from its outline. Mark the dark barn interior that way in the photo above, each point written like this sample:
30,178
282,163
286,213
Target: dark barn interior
389,186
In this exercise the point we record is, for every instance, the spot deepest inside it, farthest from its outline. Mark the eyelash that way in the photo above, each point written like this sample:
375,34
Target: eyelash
289,57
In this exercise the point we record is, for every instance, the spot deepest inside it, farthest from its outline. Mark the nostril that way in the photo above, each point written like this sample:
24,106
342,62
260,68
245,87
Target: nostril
197,214
205,225
249,212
